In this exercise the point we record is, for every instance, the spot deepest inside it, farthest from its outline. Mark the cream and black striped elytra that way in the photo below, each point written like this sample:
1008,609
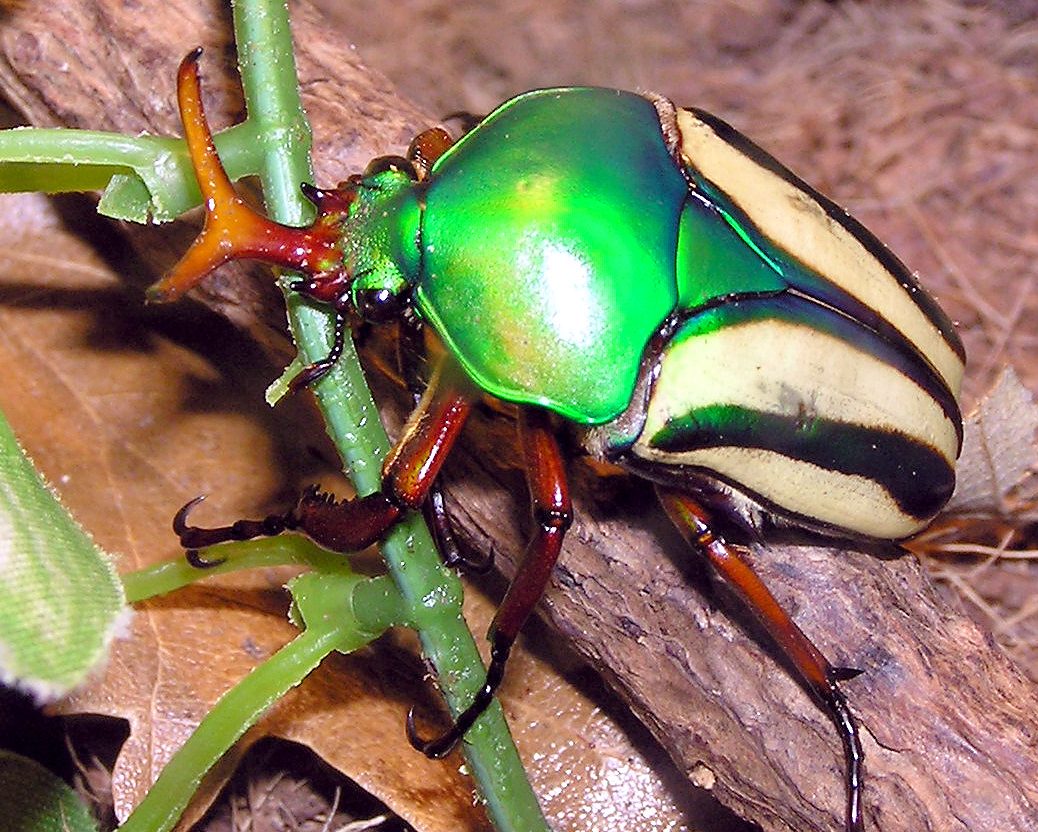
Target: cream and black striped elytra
651,276
824,387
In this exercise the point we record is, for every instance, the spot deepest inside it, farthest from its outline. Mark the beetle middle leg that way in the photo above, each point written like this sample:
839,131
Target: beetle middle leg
694,522
553,513
411,354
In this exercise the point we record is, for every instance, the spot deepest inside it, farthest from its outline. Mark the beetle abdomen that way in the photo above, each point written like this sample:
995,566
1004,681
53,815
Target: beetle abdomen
806,411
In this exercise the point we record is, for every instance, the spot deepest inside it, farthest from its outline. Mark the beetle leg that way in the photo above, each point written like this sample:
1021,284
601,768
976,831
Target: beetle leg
316,371
426,148
553,512
821,678
350,525
410,355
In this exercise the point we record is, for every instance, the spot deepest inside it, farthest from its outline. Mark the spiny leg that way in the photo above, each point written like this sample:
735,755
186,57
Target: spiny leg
694,523
553,512
407,475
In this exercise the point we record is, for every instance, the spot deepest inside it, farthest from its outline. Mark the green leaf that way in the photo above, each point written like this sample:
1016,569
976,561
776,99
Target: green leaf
60,599
32,799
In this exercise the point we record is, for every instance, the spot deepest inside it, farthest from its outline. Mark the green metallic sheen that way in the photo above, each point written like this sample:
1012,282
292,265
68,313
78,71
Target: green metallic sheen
549,240
717,258
379,240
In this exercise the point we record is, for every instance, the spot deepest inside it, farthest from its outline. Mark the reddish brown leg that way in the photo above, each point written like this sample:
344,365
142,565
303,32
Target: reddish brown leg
407,476
553,512
426,148
694,522
411,354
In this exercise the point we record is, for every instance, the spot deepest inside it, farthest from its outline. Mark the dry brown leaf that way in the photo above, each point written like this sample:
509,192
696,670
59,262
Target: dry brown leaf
128,421
998,447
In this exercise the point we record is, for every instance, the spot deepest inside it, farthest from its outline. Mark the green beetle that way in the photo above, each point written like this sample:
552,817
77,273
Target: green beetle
647,273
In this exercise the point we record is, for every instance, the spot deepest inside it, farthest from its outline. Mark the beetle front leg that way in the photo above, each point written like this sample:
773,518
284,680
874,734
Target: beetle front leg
408,474
694,522
553,512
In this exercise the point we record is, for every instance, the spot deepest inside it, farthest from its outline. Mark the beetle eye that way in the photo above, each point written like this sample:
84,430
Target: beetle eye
379,305
397,164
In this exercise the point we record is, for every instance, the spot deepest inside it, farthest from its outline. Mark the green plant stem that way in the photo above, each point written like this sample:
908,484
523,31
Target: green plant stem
432,592
324,607
168,576
144,177
239,708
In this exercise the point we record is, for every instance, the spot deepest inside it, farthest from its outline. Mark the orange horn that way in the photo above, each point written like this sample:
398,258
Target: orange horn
232,229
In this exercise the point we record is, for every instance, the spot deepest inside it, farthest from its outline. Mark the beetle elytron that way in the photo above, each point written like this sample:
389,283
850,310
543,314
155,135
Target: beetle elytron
645,272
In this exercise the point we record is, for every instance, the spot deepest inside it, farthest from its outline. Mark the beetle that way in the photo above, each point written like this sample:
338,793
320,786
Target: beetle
702,316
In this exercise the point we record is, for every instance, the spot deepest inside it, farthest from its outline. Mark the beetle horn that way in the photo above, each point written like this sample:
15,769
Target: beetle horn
232,229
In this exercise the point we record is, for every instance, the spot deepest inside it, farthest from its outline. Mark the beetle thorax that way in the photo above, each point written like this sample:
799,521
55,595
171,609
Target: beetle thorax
548,244
378,243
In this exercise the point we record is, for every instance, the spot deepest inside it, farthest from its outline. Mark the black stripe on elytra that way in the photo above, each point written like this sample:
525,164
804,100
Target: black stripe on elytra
868,240
813,287
805,311
916,476
828,299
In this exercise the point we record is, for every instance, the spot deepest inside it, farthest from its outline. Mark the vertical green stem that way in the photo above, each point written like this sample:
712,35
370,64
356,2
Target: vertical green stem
433,592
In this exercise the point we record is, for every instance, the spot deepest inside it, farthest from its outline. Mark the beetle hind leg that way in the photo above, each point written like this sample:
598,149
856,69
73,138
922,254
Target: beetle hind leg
820,677
553,513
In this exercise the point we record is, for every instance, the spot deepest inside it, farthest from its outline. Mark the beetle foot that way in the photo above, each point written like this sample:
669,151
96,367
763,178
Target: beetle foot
196,561
436,748
442,745
435,511
473,564
194,537
312,373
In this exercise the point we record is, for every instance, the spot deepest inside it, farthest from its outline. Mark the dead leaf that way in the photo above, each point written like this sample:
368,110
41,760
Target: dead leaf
128,421
998,447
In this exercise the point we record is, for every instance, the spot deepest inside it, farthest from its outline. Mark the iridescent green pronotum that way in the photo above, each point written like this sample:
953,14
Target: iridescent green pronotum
705,318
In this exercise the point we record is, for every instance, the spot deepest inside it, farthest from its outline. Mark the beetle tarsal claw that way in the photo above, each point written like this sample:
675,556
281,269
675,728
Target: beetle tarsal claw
434,749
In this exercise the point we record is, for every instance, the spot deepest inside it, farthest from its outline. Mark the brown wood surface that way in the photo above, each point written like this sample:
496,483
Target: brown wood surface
949,726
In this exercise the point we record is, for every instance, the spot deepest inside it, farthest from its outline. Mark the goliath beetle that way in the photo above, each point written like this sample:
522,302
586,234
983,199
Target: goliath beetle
707,320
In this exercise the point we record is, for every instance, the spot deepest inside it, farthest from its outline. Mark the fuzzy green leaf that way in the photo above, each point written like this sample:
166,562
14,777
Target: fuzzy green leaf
60,599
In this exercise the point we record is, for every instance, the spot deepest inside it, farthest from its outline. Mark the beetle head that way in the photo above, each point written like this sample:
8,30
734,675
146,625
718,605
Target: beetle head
349,256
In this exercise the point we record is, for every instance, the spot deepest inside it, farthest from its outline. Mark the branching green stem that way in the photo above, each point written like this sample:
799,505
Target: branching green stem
432,592
427,595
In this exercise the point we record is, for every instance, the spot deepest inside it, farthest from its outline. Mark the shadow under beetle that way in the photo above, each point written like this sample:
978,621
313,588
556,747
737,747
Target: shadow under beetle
710,322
